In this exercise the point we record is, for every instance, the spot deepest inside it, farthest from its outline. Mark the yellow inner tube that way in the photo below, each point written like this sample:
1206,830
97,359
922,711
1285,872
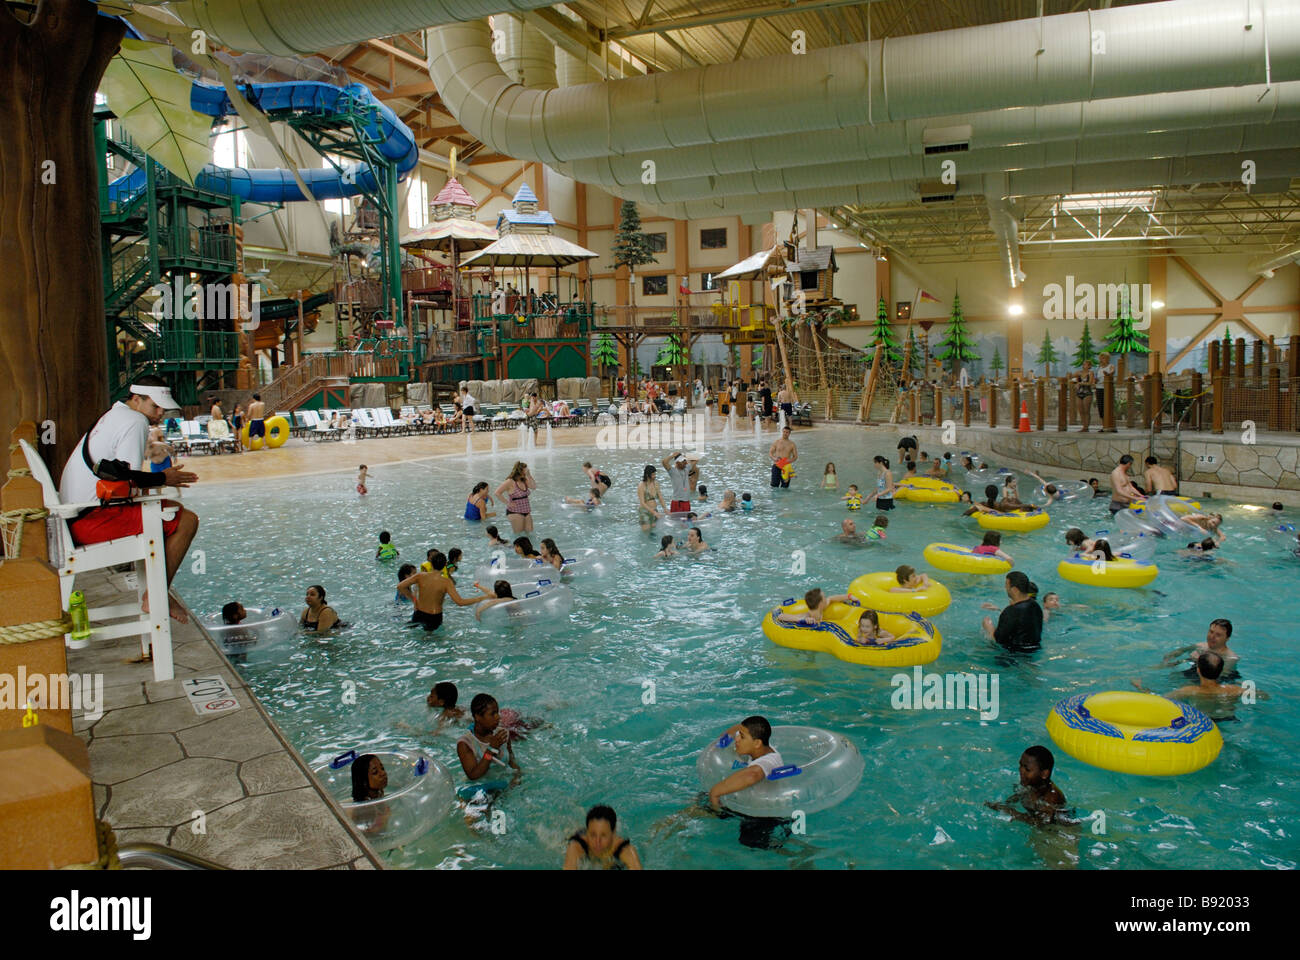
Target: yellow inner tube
926,490
277,432
1178,505
1018,521
955,559
1121,572
1132,732
873,590
916,641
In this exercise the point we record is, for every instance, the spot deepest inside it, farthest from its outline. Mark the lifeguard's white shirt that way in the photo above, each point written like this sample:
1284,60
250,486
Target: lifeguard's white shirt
120,434
767,763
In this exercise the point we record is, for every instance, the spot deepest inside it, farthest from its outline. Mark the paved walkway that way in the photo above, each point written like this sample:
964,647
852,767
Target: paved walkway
156,763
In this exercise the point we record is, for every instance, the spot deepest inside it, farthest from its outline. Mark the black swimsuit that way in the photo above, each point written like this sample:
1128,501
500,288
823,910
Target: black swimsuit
616,863
314,624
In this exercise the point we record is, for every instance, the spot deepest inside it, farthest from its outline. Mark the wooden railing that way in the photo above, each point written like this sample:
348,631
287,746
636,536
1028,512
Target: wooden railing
287,390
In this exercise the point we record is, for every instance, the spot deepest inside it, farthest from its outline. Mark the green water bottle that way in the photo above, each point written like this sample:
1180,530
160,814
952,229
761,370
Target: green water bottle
79,615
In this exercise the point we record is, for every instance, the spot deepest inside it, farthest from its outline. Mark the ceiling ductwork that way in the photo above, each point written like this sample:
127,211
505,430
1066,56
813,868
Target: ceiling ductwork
284,27
1005,227
1049,181
1048,61
1266,265
1228,112
527,57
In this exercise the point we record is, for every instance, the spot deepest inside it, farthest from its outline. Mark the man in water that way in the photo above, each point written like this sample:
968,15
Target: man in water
849,532
679,474
782,449
257,421
1122,492
1216,642
1159,479
433,589
1209,668
1020,627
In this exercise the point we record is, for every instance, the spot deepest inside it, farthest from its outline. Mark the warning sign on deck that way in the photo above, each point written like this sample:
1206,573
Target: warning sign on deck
209,695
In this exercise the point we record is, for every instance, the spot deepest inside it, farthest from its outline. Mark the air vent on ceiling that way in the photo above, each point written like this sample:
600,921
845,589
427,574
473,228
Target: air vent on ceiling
936,191
946,139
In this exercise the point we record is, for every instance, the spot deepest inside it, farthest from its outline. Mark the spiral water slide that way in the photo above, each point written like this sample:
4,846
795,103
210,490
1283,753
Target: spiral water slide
284,28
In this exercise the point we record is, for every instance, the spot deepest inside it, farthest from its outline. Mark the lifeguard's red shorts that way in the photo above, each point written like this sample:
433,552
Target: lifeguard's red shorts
113,523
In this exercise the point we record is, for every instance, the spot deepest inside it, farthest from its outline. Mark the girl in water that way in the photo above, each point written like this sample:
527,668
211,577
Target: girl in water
318,616
516,490
476,505
524,547
869,632
647,493
829,480
884,495
599,480
551,554
361,480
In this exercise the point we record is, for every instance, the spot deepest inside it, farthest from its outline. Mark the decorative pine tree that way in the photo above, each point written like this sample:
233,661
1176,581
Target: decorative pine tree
631,246
996,363
606,353
884,333
1047,353
671,353
958,346
914,361
1086,350
1123,338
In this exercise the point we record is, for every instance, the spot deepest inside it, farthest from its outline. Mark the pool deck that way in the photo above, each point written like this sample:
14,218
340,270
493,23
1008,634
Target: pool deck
155,762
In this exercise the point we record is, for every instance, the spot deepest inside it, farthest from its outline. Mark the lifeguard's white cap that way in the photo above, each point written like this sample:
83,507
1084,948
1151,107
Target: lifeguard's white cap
159,395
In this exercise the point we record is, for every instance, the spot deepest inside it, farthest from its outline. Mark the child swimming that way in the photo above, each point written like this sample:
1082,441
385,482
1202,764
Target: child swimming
992,547
751,740
494,538
829,480
728,503
1040,800
404,593
386,549
667,548
909,581
361,479
816,601
746,502
869,632
853,498
480,748
877,531
591,501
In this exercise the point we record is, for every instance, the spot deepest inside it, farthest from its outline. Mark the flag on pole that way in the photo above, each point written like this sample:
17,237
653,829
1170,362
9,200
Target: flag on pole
926,296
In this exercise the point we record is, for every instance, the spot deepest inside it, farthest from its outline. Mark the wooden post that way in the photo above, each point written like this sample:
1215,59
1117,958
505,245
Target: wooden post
1216,423
914,406
869,387
1015,404
1239,349
938,404
1063,406
965,406
1274,398
1130,402
1158,400
993,405
301,350
1257,358
1108,405
1041,401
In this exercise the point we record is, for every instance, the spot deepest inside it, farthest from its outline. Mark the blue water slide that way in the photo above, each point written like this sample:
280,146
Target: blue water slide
391,138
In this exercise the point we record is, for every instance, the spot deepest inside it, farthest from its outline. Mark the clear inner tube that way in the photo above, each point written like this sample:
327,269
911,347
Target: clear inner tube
1067,491
417,798
821,769
1137,524
543,602
264,628
1129,546
1167,514
585,563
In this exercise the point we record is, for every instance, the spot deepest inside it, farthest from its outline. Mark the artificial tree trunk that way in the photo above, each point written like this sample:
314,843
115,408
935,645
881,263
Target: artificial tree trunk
53,344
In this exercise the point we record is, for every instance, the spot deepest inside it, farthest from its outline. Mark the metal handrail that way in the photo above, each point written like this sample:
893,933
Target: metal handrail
154,856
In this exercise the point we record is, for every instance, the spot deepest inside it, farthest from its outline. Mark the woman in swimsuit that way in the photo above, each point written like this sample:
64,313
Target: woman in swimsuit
599,845
516,490
884,495
318,616
647,492
476,505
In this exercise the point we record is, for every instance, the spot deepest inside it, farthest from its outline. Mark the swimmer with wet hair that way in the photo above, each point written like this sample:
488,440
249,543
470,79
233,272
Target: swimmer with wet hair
667,547
816,601
233,613
600,845
1037,799
909,581
752,736
1209,669
480,747
728,503
849,532
870,633
369,778
404,594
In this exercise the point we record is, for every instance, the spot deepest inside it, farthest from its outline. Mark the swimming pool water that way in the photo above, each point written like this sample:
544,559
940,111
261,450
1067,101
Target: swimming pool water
691,625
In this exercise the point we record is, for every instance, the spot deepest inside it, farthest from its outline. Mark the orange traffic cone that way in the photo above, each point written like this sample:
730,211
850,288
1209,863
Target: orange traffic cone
1024,418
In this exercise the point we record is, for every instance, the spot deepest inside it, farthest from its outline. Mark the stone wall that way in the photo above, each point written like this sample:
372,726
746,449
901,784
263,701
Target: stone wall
1212,466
